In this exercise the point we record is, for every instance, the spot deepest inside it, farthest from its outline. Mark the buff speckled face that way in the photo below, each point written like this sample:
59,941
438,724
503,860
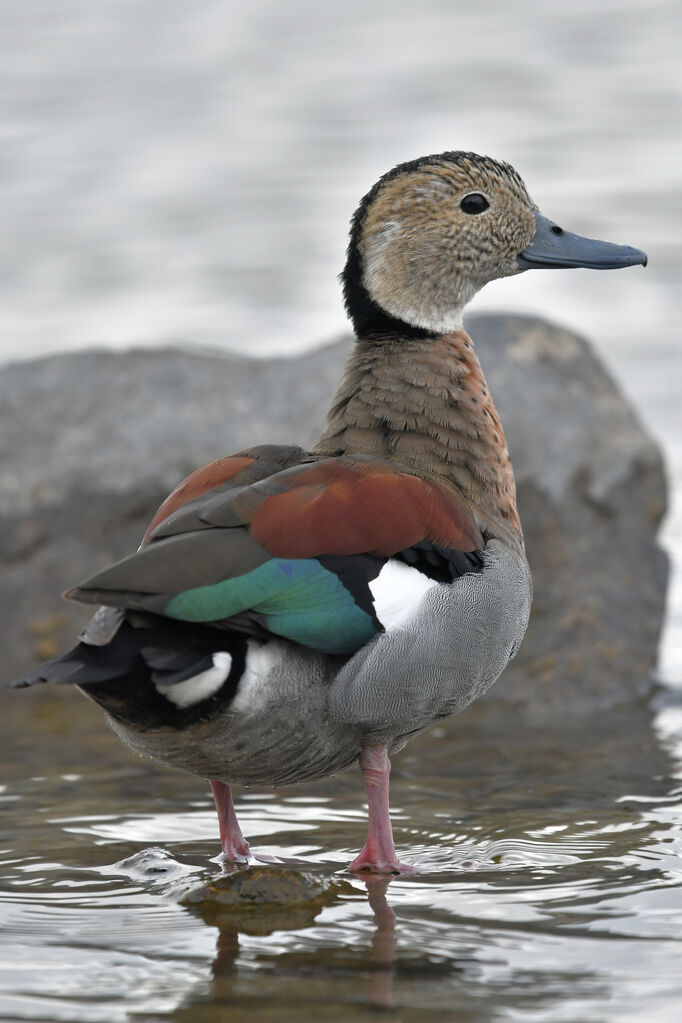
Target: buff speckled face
432,236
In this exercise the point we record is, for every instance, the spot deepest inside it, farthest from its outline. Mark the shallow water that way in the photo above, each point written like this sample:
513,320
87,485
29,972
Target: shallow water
550,881
164,167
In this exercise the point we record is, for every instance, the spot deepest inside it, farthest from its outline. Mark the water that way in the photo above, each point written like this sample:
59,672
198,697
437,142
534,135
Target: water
164,167
550,883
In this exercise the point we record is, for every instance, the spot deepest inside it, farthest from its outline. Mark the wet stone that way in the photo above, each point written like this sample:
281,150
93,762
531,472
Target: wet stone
260,900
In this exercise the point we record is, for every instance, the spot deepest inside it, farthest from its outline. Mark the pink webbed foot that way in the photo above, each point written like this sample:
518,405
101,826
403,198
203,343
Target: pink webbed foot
235,846
379,855
367,861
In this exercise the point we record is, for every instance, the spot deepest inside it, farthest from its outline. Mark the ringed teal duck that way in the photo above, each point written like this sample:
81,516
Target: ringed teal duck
290,613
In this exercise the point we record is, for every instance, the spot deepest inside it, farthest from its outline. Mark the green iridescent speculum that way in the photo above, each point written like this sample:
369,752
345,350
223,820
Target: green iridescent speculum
301,600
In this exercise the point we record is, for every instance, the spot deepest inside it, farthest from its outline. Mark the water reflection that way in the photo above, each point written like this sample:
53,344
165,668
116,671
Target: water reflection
550,883
263,902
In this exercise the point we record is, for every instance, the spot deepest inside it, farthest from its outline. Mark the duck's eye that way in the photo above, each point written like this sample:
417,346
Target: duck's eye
474,203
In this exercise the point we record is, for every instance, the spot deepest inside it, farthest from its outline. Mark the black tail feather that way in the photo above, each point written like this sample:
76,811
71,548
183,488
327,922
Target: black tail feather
121,674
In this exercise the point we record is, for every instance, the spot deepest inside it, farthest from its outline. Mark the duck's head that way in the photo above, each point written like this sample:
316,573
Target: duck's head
432,232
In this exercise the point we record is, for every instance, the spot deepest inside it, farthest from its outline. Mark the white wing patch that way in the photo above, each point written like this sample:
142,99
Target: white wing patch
261,658
201,686
397,592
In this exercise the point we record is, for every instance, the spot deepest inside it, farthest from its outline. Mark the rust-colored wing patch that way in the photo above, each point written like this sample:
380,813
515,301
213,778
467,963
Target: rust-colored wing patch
335,508
209,477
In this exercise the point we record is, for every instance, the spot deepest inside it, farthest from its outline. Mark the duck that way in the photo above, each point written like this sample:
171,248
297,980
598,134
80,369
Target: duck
293,613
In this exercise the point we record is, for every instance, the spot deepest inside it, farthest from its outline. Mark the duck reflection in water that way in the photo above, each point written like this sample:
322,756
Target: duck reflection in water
232,905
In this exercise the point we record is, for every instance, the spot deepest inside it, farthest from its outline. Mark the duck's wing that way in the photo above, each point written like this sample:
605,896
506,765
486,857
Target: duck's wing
296,550
237,470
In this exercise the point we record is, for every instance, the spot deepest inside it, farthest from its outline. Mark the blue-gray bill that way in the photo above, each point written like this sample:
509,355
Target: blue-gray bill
552,248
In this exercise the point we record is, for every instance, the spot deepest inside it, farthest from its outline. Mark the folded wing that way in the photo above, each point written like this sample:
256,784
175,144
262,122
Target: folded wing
276,540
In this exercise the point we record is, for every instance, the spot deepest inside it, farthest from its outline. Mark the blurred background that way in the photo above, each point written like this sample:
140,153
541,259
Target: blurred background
183,171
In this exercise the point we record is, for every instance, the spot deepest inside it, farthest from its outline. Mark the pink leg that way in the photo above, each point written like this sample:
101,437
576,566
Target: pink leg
378,854
235,846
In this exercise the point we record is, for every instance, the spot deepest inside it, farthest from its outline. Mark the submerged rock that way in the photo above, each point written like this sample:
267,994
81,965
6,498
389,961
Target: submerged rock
260,900
93,442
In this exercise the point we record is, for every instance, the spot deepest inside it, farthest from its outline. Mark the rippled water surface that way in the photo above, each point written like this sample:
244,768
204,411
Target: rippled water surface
550,882
177,170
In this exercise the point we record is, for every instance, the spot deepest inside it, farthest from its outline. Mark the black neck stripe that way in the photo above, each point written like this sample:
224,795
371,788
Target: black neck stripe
369,319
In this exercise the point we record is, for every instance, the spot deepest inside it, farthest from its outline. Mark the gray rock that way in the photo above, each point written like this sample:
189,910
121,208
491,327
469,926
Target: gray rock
591,495
92,442
259,900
